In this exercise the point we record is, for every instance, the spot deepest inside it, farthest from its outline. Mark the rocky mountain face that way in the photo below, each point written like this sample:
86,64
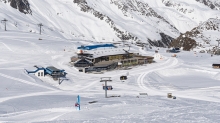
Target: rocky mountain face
180,7
211,4
128,8
122,34
22,5
205,35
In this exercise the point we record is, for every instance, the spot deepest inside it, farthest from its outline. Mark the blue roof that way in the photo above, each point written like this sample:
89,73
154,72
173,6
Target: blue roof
35,70
90,47
52,69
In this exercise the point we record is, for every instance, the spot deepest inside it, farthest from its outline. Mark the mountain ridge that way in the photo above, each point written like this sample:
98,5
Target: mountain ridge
157,23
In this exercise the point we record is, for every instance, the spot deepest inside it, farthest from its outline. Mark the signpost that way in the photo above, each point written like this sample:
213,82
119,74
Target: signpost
106,79
107,87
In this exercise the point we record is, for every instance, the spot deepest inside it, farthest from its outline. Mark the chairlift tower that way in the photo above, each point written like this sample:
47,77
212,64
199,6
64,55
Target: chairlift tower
217,52
40,25
4,21
123,43
147,45
129,46
105,79
59,82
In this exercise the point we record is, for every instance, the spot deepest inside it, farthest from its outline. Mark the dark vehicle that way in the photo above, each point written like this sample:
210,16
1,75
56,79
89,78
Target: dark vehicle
174,50
177,48
123,78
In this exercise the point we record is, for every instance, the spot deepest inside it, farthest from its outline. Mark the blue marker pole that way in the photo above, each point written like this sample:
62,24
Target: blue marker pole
78,101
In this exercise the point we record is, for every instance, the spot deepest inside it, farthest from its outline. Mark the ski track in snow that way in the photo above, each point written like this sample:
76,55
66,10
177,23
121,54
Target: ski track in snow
66,112
7,47
52,113
168,64
57,39
24,81
27,95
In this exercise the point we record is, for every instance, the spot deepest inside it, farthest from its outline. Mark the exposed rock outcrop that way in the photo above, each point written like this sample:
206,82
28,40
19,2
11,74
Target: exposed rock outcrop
189,40
213,5
143,9
164,42
178,6
22,5
186,42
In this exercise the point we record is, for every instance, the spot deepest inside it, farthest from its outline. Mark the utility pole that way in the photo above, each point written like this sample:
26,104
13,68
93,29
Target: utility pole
40,25
218,42
4,21
218,47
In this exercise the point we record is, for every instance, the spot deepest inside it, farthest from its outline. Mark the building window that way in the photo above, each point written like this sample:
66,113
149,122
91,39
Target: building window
42,74
38,73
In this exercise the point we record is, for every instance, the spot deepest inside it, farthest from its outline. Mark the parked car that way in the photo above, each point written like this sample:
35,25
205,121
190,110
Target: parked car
174,50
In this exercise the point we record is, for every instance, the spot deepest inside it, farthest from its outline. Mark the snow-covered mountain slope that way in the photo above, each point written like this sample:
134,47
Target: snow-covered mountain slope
25,98
142,97
205,36
155,21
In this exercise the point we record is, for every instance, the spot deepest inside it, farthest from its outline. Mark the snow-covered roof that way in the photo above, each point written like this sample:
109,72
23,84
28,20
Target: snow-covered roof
108,51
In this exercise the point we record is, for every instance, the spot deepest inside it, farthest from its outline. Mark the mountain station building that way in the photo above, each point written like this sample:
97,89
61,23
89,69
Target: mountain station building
107,57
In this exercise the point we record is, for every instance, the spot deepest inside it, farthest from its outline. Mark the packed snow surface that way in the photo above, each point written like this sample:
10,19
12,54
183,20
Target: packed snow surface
27,98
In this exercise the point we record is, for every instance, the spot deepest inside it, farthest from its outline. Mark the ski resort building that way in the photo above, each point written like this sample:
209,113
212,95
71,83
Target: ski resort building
54,72
49,71
217,66
83,63
39,72
107,57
